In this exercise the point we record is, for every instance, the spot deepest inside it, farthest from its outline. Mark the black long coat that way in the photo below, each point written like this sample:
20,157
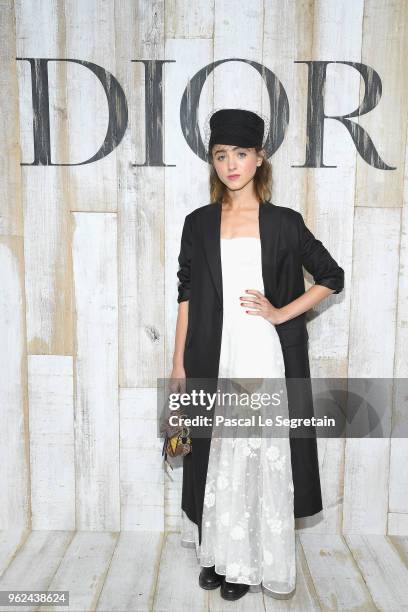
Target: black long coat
286,245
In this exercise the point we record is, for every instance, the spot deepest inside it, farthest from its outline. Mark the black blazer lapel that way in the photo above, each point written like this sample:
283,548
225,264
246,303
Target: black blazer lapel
211,232
269,230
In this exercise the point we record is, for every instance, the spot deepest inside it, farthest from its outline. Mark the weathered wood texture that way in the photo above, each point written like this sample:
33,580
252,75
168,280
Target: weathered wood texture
111,572
88,252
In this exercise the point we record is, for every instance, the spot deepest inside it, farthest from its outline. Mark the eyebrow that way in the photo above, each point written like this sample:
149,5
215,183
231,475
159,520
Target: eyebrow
224,150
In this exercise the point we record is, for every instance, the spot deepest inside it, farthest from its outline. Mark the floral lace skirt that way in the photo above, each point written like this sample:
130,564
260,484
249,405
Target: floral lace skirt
248,525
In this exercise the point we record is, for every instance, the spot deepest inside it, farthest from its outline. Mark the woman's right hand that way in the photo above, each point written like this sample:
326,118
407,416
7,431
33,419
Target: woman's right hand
177,383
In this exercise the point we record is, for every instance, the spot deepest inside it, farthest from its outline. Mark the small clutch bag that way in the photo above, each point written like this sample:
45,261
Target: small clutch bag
177,440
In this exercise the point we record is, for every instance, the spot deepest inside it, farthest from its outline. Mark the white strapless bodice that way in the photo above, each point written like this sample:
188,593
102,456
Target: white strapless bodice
250,344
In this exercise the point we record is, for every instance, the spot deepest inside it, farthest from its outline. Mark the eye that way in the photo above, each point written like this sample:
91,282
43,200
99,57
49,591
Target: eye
219,158
242,153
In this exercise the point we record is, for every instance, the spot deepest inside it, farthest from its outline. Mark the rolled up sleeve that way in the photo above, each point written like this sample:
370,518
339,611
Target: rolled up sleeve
317,260
184,260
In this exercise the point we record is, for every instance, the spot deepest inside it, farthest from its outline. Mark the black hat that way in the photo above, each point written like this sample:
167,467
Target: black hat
236,126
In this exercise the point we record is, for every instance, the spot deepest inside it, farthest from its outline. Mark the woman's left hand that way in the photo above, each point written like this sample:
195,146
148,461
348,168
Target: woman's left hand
262,307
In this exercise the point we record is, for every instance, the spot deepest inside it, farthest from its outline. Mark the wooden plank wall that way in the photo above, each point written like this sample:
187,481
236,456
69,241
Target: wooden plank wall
88,253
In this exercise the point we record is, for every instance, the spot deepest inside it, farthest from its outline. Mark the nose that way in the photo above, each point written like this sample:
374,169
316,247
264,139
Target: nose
231,162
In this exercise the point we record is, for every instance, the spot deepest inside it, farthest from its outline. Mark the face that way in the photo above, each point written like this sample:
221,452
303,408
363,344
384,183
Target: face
235,166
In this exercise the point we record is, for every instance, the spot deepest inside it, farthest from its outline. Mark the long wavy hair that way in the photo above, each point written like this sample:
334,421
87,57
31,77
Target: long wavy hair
262,181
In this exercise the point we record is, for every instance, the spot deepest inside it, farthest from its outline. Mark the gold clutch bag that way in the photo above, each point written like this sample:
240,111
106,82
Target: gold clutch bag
177,440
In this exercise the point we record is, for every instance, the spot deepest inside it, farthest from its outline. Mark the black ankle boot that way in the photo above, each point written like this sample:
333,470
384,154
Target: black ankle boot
209,579
233,590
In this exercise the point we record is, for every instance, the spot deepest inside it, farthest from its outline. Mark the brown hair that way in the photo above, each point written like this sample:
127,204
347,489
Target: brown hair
262,181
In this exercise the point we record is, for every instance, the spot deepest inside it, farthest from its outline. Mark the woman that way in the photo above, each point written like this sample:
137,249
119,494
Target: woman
226,328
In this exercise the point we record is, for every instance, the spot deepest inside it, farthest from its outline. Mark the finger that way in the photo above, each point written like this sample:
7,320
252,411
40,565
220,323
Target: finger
253,312
249,302
259,299
255,292
250,299
253,307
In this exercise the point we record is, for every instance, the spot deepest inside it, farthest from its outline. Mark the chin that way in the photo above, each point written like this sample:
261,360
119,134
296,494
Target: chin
234,185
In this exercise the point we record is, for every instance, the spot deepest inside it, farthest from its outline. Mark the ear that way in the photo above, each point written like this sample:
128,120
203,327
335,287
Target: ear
260,157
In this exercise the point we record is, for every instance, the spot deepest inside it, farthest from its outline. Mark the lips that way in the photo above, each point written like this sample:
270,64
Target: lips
233,176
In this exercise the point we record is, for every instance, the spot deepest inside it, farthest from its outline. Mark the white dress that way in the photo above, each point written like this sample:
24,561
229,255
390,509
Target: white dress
248,529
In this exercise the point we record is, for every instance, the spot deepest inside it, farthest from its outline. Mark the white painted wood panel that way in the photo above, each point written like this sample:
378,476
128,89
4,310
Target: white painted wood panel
173,482
11,542
45,190
338,583
11,218
371,354
89,35
397,524
175,589
141,470
398,483
35,564
327,203
288,36
186,19
83,570
385,48
141,200
96,371
380,565
14,442
52,443
131,580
